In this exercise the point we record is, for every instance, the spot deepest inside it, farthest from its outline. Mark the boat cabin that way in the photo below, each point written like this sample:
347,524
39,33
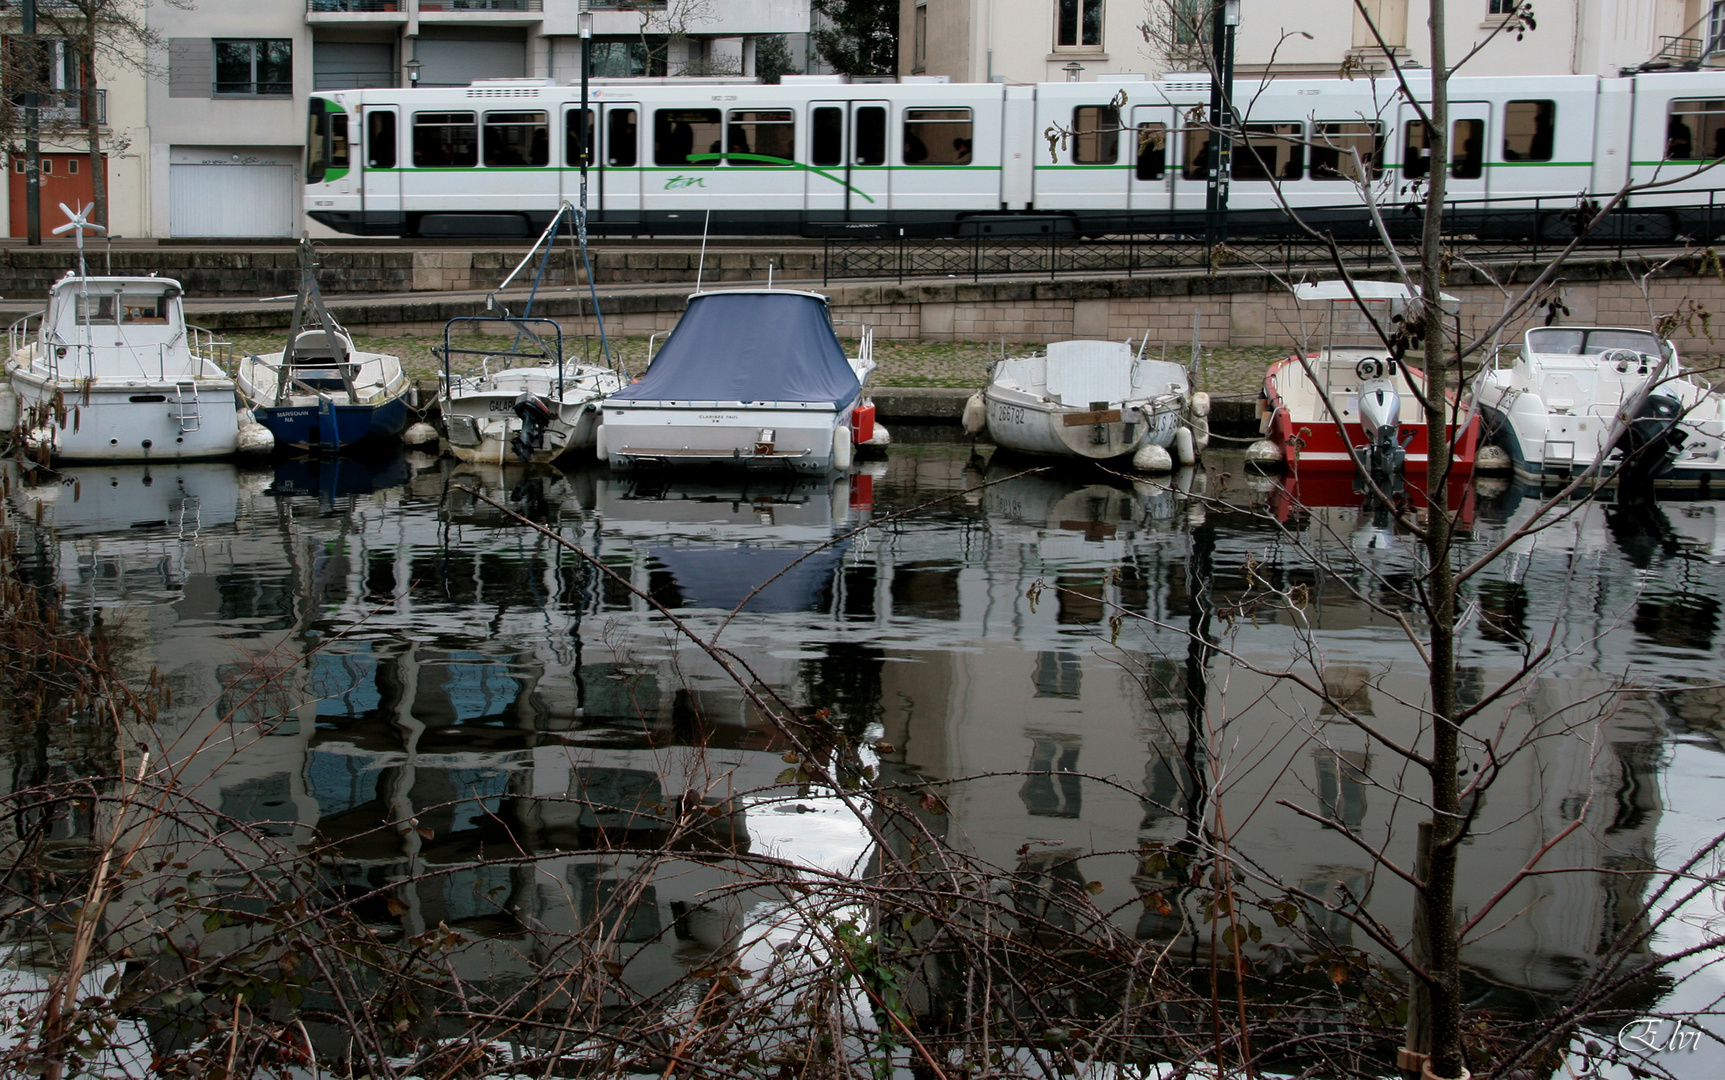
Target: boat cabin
117,328
1575,368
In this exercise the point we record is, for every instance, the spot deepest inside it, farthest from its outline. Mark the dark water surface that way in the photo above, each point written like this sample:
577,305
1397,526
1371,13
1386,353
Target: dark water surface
354,644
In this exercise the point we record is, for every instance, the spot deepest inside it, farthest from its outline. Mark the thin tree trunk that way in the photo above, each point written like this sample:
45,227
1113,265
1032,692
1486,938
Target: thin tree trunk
1439,886
92,121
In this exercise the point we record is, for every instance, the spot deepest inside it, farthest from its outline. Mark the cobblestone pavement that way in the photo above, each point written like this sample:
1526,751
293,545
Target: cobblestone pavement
1222,371
962,365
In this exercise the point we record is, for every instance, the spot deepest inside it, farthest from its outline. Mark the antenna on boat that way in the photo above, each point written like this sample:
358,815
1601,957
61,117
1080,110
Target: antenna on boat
701,267
80,223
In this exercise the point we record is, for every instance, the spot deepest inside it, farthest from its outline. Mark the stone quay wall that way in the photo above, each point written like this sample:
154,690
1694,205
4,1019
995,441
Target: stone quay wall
1237,309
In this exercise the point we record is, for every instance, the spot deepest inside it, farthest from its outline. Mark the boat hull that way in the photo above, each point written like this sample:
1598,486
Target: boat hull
331,426
1313,443
133,420
803,438
1030,425
1701,466
480,428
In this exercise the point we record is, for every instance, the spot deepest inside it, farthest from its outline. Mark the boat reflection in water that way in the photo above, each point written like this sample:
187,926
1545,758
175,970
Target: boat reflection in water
484,733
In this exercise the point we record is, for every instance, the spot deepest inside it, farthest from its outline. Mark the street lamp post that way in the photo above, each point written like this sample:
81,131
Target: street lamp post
584,20
413,67
1223,22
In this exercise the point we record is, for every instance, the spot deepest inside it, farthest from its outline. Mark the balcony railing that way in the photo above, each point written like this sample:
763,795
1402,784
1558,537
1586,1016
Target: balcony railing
481,5
356,6
63,108
626,5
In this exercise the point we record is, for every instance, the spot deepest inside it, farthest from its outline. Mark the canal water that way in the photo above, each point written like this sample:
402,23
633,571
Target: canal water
376,656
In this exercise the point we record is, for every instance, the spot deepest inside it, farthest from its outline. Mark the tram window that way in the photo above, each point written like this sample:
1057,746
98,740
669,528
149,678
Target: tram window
517,140
1467,149
1196,164
572,137
1529,128
1416,151
937,136
1696,130
380,140
316,143
1272,152
765,136
827,136
679,134
1334,147
338,148
1152,151
871,135
1095,135
621,149
445,140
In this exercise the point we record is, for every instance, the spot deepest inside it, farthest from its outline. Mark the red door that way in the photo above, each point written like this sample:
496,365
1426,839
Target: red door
66,179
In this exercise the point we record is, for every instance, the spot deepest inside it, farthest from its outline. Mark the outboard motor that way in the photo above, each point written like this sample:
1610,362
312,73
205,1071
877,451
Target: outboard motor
1381,419
1649,444
535,418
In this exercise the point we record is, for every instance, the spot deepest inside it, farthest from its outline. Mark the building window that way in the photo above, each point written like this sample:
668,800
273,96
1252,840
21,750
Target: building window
1078,24
1716,28
255,68
1504,7
919,38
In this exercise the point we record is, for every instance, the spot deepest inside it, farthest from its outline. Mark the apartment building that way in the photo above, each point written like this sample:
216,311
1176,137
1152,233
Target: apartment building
1024,41
207,130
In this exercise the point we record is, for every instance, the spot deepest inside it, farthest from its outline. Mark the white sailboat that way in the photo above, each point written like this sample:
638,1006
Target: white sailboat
1092,400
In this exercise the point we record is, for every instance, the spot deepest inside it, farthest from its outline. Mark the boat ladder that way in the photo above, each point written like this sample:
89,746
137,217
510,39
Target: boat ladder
188,407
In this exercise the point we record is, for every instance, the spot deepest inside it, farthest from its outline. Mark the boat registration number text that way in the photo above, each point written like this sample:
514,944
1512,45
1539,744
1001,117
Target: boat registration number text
1010,414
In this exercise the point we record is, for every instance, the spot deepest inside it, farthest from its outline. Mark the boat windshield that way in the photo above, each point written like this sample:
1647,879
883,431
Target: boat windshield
1582,341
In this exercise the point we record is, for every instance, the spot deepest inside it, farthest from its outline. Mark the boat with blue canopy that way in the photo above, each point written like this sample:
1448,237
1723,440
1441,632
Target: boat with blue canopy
749,377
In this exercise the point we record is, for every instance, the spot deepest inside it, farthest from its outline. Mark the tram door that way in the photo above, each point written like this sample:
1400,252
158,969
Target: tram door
1470,143
847,178
380,180
619,180
1157,153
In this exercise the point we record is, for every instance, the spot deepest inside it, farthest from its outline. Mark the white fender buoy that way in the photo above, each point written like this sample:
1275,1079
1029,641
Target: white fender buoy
420,434
1265,456
881,439
255,440
1151,458
37,438
842,447
975,414
1183,451
1200,421
599,449
1492,461
8,409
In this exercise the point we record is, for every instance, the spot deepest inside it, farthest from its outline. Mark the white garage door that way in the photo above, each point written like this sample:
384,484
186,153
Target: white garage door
232,200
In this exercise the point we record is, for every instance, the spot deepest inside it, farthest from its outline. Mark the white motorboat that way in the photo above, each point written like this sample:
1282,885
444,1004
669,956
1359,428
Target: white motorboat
111,372
1085,399
536,407
751,377
1555,406
527,401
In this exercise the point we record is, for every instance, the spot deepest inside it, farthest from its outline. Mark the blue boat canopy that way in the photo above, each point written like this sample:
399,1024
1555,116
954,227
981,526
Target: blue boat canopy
750,346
